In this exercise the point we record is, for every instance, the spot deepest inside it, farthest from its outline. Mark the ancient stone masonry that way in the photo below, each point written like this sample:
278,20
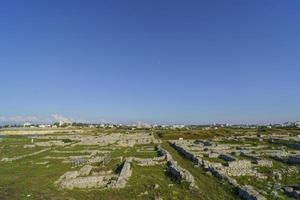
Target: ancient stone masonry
233,168
104,160
239,168
227,157
96,159
181,174
247,154
294,159
146,149
50,143
123,177
123,140
248,193
71,180
184,152
79,160
84,179
294,145
212,154
85,170
24,156
292,191
263,163
204,142
291,159
164,153
118,139
149,161
81,178
175,170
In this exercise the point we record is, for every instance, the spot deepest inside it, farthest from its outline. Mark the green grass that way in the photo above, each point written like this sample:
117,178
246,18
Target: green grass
14,146
24,179
132,151
209,186
202,133
142,180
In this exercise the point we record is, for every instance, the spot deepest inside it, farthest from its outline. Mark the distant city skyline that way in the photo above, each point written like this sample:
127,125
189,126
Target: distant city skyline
195,62
19,120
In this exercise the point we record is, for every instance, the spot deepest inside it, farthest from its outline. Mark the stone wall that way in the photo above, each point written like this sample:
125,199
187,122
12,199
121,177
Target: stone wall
163,152
294,159
24,156
226,157
181,174
84,182
81,179
264,163
184,152
245,192
248,193
149,161
124,175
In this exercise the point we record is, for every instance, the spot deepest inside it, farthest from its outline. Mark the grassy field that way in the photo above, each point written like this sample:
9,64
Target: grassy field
28,179
209,187
32,178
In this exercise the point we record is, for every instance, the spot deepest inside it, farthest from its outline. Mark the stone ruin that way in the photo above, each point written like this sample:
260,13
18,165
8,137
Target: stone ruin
24,156
175,170
123,177
149,161
263,163
164,153
238,168
82,178
245,192
293,159
73,179
76,162
181,174
292,191
227,157
117,139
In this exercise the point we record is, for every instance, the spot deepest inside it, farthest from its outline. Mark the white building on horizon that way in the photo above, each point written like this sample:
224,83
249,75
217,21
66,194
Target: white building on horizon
26,124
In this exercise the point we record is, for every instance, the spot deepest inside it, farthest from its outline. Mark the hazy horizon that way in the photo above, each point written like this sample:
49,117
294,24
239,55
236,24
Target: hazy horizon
20,120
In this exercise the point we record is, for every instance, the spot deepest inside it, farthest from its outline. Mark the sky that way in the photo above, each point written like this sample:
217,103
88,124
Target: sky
190,62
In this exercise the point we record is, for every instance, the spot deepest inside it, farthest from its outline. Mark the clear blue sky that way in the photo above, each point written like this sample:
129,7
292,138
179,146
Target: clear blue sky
159,61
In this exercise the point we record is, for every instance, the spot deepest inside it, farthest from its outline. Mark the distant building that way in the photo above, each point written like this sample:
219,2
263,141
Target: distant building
65,123
297,124
140,125
178,126
111,126
143,125
286,124
27,124
44,126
